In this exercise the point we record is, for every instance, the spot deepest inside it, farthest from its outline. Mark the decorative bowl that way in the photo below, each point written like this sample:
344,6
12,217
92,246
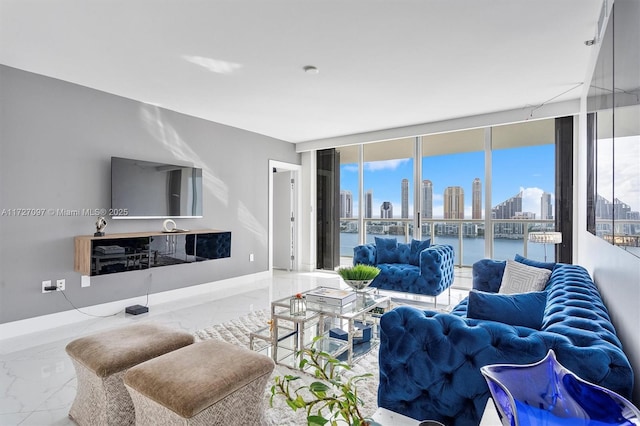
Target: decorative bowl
359,276
547,393
358,285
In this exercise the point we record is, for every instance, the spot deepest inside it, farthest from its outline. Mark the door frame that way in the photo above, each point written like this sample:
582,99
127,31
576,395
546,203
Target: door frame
295,170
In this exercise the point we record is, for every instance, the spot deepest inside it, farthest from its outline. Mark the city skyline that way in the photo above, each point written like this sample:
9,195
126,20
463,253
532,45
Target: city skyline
453,199
528,170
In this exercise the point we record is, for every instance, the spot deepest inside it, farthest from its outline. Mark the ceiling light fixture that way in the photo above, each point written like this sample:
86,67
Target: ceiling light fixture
310,69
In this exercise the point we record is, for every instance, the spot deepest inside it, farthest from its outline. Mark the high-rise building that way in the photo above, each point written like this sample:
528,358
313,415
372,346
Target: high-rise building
427,200
405,199
346,204
476,199
546,209
508,209
453,202
619,210
368,204
605,209
386,210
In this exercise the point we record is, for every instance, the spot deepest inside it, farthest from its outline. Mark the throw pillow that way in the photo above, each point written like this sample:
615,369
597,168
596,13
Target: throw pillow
404,253
521,278
536,263
386,249
524,309
416,248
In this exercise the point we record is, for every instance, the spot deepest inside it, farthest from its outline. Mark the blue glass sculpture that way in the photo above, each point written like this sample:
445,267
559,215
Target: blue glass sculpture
546,393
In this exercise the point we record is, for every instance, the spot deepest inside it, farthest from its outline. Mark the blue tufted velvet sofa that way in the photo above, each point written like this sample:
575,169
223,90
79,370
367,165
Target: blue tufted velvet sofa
430,362
428,271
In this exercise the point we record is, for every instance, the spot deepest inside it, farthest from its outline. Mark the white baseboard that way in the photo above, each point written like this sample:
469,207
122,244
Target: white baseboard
223,288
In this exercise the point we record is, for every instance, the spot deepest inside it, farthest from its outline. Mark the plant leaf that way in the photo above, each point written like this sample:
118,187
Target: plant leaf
318,387
316,421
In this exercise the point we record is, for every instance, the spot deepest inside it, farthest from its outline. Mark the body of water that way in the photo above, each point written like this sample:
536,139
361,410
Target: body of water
473,248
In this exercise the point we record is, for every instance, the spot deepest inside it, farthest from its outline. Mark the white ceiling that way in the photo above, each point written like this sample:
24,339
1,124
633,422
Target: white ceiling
383,63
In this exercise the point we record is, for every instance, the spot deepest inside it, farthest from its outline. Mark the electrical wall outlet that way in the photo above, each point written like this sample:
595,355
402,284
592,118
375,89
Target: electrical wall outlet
60,284
85,281
251,258
45,284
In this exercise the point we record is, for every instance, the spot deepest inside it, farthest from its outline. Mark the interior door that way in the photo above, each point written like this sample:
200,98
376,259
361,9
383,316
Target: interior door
283,220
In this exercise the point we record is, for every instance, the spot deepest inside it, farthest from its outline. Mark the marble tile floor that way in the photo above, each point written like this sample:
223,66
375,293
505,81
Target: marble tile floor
37,379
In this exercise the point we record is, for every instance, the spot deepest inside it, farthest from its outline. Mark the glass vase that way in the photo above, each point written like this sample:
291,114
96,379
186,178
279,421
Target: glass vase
297,305
546,393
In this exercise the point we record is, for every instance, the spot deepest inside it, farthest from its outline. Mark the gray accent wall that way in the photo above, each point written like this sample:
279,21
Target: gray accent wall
56,144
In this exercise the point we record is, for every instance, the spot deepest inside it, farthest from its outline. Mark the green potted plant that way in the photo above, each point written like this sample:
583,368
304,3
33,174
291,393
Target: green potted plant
331,392
359,276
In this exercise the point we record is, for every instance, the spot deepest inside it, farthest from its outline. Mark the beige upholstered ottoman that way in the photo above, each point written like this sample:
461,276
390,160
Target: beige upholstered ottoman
102,359
207,383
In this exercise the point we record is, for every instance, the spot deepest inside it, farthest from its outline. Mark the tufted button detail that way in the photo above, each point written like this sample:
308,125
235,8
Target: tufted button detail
470,360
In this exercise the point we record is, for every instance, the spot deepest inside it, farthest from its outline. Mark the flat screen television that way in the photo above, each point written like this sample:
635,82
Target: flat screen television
148,190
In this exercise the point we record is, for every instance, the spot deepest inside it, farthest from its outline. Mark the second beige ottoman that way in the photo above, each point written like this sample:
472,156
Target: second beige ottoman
207,383
101,360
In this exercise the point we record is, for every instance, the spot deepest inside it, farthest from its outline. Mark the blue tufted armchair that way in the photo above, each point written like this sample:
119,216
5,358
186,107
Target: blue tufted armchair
415,267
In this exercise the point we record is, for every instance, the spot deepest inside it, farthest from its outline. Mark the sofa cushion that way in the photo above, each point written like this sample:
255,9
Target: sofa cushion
387,250
535,263
416,248
524,309
521,278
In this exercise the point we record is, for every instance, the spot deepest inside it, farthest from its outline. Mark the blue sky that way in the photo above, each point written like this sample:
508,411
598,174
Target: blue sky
528,169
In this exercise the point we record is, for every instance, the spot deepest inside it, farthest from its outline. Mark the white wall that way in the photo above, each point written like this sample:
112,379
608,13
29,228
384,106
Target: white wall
615,272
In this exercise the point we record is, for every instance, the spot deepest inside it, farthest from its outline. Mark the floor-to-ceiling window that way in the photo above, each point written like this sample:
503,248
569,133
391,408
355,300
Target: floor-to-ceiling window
452,192
349,199
386,203
523,186
462,182
388,187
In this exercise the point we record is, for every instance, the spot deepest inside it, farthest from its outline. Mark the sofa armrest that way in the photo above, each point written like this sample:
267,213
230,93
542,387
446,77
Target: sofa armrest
430,362
365,254
487,274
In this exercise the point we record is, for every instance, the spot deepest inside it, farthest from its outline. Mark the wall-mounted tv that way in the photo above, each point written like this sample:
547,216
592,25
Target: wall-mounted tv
148,190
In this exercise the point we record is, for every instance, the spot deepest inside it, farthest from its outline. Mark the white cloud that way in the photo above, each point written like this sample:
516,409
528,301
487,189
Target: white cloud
352,168
375,166
531,200
627,177
438,211
468,212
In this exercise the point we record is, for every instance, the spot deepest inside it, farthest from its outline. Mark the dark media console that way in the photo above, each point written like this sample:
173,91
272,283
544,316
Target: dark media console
114,253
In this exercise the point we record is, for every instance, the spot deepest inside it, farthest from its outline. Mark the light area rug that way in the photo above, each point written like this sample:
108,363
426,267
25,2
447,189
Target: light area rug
237,332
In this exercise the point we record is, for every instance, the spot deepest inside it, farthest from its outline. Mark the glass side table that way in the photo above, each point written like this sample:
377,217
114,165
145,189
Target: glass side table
313,322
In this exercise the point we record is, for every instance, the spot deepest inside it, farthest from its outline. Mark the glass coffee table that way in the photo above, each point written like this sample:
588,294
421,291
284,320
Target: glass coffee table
289,333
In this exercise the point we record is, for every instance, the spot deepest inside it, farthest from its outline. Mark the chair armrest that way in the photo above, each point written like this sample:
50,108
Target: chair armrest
365,254
487,274
436,267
